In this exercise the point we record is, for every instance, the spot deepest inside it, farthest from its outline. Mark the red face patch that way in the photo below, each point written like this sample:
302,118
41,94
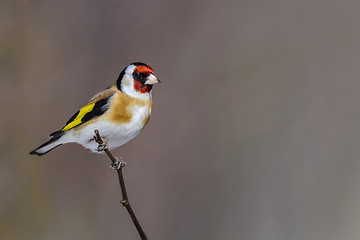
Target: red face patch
144,69
139,87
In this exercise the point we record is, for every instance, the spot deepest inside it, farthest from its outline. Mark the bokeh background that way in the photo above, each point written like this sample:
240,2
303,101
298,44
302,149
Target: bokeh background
254,135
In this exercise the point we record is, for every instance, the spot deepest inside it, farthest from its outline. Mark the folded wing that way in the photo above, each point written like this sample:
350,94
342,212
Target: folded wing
97,106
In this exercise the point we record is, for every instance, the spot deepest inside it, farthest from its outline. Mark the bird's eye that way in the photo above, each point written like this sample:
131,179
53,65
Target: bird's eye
141,77
136,75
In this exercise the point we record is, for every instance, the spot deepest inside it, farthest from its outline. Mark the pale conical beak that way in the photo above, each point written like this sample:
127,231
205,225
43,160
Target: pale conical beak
151,80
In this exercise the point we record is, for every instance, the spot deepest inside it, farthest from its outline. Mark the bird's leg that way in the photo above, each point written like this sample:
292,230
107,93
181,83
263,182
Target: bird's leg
103,144
118,164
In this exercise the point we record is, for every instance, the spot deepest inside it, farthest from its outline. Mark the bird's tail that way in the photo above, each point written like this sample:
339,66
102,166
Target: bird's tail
55,141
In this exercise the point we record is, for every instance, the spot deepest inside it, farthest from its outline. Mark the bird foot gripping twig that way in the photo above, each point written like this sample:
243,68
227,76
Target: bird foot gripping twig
103,144
117,164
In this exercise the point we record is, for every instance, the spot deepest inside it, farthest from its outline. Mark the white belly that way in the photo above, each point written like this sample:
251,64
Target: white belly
116,134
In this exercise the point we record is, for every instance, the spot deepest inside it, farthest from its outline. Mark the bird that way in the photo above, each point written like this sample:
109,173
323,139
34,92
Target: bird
119,113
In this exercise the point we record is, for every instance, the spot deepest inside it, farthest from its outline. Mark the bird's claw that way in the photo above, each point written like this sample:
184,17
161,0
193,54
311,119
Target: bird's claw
118,164
102,146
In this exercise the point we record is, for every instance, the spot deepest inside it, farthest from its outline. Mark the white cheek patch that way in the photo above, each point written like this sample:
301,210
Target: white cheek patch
127,86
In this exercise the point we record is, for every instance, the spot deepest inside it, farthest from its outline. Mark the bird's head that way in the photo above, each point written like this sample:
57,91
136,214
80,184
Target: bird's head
136,80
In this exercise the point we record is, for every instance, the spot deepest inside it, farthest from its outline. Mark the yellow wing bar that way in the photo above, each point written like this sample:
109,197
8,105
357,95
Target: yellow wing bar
81,114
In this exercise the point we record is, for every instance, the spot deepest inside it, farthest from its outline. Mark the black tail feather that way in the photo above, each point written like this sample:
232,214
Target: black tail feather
54,136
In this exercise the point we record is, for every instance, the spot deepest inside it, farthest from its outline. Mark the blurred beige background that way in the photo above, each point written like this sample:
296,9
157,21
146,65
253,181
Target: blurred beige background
254,135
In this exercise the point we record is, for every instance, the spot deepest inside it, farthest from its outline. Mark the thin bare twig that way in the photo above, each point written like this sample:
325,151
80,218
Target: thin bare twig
125,201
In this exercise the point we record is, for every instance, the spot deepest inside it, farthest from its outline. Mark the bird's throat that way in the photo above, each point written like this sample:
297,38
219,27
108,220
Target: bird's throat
142,88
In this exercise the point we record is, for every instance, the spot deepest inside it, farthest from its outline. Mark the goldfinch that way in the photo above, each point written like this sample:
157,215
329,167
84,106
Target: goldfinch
119,112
